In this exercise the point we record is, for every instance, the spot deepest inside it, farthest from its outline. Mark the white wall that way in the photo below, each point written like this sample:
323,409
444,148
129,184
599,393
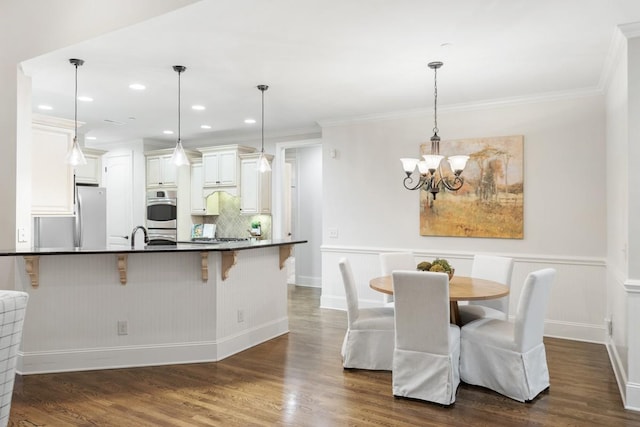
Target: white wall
564,144
617,211
309,174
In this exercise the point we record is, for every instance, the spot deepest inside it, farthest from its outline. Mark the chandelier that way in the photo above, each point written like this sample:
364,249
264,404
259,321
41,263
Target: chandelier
431,177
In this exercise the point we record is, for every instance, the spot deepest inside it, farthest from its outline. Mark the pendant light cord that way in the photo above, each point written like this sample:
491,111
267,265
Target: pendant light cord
75,114
262,119
179,72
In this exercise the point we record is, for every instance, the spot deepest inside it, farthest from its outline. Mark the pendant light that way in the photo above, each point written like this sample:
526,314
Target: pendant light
75,157
263,162
179,157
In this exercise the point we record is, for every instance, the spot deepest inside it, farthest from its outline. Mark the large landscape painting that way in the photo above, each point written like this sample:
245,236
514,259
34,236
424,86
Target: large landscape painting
490,203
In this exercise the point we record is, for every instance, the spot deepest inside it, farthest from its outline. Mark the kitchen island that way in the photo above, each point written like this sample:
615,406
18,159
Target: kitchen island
101,308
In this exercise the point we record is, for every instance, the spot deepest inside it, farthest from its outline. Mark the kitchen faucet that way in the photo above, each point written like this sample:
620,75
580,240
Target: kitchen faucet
133,235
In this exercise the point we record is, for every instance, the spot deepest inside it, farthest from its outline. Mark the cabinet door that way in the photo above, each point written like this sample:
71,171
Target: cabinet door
154,171
169,172
227,167
91,172
197,199
210,170
249,189
52,179
264,196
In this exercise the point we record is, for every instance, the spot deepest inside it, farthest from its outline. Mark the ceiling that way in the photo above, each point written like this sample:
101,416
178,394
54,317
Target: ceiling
324,60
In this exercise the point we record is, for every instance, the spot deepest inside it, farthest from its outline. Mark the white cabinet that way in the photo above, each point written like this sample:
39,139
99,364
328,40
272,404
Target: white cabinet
198,203
255,192
221,165
51,177
161,172
91,173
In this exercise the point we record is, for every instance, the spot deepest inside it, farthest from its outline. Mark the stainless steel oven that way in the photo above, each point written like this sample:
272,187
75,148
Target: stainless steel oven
162,209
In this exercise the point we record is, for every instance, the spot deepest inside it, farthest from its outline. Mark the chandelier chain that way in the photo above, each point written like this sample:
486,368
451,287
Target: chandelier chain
435,100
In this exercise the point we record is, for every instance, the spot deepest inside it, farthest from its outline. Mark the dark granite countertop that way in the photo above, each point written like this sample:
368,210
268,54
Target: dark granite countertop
180,247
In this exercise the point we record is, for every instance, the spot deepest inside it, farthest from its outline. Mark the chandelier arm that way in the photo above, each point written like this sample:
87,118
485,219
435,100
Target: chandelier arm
454,185
409,179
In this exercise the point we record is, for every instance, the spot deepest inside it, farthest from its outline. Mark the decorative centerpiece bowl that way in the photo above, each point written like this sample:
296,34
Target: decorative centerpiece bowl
439,265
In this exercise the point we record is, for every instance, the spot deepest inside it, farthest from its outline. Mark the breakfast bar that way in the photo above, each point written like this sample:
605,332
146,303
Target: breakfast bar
120,307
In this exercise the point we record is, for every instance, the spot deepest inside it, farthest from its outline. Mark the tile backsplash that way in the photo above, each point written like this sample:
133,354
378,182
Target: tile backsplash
230,223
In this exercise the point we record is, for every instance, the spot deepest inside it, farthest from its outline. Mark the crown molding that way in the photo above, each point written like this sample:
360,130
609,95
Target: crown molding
630,30
45,120
617,48
470,106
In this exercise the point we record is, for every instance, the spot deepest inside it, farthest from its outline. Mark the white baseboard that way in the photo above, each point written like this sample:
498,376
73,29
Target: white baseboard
137,356
229,346
309,281
632,402
574,331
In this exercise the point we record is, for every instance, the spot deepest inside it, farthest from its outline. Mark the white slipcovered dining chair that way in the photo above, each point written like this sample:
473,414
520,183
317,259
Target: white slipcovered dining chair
509,357
497,269
368,343
427,346
390,261
13,305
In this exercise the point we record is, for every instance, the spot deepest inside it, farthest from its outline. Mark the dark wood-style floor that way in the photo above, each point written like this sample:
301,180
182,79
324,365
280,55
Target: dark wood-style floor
298,380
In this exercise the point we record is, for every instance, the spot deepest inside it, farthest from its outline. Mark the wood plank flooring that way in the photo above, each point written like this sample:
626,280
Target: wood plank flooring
298,380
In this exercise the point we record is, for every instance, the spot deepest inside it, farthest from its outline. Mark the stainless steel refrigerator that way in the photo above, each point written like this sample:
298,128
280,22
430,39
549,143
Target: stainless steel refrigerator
87,229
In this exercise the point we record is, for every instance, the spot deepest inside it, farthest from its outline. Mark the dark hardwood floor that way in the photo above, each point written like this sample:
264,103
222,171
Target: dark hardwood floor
298,380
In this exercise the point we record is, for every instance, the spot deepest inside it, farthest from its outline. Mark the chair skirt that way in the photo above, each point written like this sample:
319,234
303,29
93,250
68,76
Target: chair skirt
368,349
426,376
520,376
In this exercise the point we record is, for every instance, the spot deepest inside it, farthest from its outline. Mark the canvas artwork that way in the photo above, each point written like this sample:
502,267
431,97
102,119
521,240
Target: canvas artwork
491,201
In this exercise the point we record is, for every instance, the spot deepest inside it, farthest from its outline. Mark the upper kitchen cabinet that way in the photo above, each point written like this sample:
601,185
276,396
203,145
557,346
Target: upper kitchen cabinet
51,177
255,192
221,165
198,202
91,173
161,172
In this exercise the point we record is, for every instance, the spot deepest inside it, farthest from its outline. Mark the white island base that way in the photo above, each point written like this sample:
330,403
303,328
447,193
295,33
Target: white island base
81,317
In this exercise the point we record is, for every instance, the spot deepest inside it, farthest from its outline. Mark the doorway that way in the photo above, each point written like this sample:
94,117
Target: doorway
298,207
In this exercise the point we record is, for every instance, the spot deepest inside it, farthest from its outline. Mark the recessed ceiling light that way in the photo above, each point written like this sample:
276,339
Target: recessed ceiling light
45,107
250,121
198,107
85,99
205,127
91,138
167,132
137,86
446,44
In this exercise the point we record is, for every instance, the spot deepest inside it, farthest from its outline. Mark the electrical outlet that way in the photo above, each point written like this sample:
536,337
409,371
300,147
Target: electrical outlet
333,233
22,234
609,325
240,316
123,327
